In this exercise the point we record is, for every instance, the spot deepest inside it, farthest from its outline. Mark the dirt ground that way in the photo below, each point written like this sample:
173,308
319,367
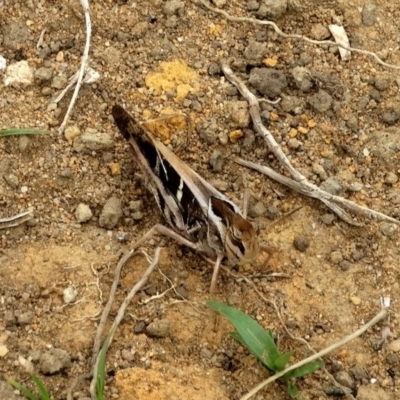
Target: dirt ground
162,57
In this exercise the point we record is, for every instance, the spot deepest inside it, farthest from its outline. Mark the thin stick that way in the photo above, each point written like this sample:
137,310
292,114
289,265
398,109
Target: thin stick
294,36
317,193
121,312
381,315
15,220
84,64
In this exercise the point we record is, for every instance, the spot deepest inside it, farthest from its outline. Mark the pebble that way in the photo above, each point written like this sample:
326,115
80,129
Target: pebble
71,132
268,81
257,210
59,82
15,34
235,135
18,74
53,361
214,69
122,237
69,294
220,185
332,186
135,205
272,9
253,5
238,112
25,318
388,229
344,379
321,101
207,130
111,213
43,74
140,327
390,117
293,143
355,300
391,178
3,350
217,160
328,218
115,168
359,373
137,216
173,7
345,265
272,212
302,78
12,180
91,140
320,32
160,328
255,52
336,257
368,14
83,213
301,243
382,83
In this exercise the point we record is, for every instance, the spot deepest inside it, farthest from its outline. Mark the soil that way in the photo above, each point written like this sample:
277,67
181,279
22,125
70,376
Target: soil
161,58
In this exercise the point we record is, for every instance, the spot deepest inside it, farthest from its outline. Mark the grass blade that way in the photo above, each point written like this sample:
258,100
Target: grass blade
22,131
41,388
281,362
23,389
258,340
304,370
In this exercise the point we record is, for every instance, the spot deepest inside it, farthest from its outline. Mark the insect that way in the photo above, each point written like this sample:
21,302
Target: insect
198,215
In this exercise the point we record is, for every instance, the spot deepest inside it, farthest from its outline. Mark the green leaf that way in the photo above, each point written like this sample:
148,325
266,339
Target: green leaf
41,388
257,340
281,362
23,389
292,390
22,131
304,370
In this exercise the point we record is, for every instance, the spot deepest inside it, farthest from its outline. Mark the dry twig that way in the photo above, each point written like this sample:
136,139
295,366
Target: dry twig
300,182
294,36
84,64
381,315
15,220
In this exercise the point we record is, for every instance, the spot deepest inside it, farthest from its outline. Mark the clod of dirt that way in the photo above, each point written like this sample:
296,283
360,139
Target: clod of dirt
54,361
160,328
91,140
83,213
301,243
268,81
111,213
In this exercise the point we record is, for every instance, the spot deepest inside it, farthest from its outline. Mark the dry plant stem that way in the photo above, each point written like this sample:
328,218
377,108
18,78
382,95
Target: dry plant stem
315,192
381,315
293,36
121,311
15,220
84,64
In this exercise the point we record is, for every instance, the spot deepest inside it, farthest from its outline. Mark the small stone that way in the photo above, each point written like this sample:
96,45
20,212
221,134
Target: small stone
388,229
268,81
344,379
54,361
253,5
3,350
235,135
272,9
71,132
91,140
332,186
392,359
394,346
368,14
135,205
302,77
159,329
18,74
328,218
59,82
336,257
293,143
345,265
320,32
24,189
23,143
391,178
83,213
220,185
111,213
122,237
217,161
359,373
12,180
128,355
115,169
272,212
321,101
25,318
181,291
69,294
60,56
207,130
214,69
140,327
257,210
390,117
255,52
66,173
43,74
301,243
219,3
137,216
355,187
173,7
355,300
206,353
382,83
238,112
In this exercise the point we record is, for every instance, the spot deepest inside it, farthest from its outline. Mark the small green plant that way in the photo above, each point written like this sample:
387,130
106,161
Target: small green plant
21,131
43,393
260,343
